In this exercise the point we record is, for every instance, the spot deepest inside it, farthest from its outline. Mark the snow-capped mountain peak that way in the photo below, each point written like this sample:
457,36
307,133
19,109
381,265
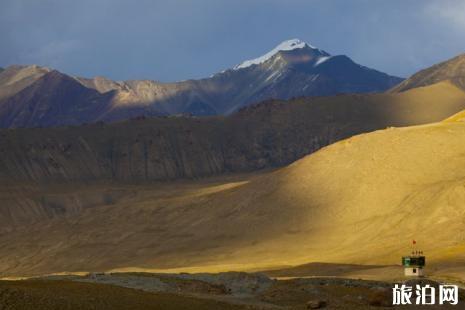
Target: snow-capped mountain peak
288,45
291,45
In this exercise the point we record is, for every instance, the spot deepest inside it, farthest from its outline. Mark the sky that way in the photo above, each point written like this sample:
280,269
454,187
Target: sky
172,40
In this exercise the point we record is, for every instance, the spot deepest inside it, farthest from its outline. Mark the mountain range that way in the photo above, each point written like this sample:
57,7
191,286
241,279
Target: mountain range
322,178
33,96
82,198
272,134
267,135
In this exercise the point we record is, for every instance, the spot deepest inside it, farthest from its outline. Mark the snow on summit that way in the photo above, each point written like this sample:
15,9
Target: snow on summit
288,45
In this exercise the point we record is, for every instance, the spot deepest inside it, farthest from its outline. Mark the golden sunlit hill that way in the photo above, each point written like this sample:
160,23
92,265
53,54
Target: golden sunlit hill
361,200
148,163
452,70
226,192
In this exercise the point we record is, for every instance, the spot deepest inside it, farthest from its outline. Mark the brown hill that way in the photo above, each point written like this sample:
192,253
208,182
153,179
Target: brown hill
51,99
360,200
452,70
272,134
16,78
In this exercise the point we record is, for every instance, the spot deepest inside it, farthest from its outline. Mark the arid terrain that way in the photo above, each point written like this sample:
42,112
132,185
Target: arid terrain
231,290
236,155
361,200
280,205
271,134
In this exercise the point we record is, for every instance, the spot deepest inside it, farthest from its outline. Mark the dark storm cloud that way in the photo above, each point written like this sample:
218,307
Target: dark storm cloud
180,39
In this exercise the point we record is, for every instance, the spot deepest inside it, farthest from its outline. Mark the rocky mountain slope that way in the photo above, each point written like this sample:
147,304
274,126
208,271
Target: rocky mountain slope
91,197
293,69
52,99
360,200
16,78
452,70
272,134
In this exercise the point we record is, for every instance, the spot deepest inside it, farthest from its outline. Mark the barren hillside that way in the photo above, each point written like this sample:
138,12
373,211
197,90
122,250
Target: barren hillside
360,200
272,134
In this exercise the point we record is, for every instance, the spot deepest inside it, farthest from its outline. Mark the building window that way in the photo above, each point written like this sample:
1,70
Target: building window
414,270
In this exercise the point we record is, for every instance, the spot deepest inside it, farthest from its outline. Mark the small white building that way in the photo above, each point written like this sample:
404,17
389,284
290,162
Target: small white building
414,265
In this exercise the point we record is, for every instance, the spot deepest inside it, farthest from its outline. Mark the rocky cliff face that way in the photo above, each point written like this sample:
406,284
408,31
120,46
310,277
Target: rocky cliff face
271,134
